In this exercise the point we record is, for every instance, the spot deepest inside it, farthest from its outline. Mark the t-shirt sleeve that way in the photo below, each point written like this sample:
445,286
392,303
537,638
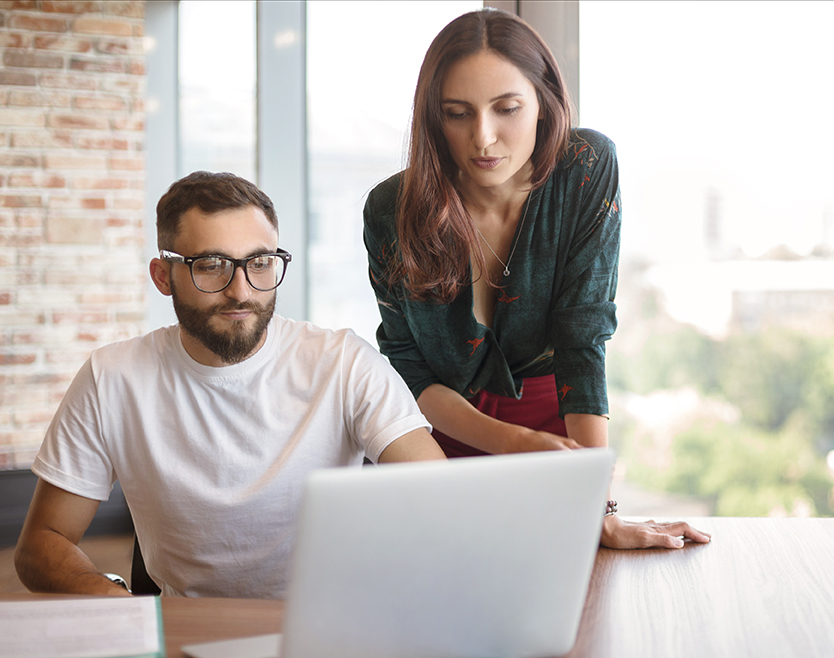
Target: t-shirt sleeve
379,407
394,335
584,315
73,456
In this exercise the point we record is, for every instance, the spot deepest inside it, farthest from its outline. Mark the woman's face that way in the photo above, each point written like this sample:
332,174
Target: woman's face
490,114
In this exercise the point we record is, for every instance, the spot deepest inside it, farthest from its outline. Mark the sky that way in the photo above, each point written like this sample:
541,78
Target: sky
731,96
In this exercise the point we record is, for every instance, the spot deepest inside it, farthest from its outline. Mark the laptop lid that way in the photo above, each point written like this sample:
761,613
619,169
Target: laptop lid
482,556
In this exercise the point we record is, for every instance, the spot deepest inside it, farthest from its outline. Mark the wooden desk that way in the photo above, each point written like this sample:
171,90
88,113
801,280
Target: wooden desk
763,587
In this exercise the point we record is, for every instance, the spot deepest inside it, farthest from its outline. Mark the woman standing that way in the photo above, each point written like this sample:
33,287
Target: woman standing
494,255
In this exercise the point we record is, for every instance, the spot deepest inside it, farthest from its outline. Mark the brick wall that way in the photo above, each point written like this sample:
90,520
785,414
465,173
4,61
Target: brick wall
72,272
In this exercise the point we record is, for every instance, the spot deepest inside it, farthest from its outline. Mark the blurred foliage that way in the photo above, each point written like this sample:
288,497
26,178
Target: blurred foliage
772,460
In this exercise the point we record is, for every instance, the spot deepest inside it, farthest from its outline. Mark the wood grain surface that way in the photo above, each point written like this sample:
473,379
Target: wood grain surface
762,588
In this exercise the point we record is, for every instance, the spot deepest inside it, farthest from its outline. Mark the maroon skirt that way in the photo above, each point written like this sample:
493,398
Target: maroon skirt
537,409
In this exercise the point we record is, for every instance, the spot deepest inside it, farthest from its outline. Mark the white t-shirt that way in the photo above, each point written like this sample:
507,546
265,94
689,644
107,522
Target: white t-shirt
211,460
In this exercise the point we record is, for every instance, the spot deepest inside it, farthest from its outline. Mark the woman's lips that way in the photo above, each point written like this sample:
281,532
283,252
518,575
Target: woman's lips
486,163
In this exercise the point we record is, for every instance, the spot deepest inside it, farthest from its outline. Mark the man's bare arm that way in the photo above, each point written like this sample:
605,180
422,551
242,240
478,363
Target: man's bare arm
417,445
47,557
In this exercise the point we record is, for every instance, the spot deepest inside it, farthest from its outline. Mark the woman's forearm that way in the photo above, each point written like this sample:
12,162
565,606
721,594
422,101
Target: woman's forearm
588,429
452,414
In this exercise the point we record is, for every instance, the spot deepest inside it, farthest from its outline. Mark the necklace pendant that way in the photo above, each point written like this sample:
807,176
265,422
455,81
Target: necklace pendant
506,271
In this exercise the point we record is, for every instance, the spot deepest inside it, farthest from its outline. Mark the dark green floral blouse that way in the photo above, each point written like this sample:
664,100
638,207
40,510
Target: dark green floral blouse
555,310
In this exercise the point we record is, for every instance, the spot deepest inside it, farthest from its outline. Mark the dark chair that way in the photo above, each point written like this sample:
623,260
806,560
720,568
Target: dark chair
140,581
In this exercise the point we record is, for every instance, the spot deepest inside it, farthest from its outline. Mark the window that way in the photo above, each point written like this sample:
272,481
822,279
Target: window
360,86
722,370
217,87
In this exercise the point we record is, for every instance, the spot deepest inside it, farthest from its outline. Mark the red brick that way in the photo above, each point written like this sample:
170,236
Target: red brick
66,229
103,26
93,204
75,162
71,7
22,180
22,78
19,160
41,378
18,4
127,164
32,60
68,81
123,85
139,30
39,99
130,46
65,43
128,204
20,201
38,180
128,123
5,298
79,317
11,359
29,220
127,9
16,117
14,40
130,316
111,103
97,65
100,143
78,121
28,418
38,23
99,183
136,67
67,356
41,139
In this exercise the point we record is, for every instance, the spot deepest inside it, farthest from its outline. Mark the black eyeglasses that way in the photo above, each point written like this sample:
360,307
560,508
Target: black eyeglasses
264,272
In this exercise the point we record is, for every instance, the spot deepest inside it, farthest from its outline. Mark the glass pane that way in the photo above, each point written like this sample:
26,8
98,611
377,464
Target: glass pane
360,84
722,369
217,55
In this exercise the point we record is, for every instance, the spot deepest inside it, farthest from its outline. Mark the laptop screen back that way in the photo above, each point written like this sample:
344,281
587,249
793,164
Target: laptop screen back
484,556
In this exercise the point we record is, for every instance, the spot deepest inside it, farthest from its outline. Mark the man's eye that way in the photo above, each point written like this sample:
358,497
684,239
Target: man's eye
209,266
263,264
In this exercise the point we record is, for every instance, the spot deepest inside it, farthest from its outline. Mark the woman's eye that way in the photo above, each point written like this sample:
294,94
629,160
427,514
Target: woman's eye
509,110
455,115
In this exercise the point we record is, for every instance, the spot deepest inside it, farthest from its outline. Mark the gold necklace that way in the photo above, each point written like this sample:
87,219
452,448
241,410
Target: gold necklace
515,243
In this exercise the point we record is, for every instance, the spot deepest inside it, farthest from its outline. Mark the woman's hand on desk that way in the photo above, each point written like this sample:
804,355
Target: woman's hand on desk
617,533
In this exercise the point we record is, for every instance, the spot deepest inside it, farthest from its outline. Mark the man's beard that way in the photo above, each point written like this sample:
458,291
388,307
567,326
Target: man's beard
233,346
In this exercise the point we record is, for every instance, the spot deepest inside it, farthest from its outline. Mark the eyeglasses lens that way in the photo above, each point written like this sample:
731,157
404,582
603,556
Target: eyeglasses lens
213,274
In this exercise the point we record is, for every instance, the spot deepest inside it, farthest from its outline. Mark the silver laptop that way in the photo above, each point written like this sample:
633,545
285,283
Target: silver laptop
480,557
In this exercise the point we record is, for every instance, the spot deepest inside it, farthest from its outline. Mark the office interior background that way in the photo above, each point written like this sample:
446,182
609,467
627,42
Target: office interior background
721,374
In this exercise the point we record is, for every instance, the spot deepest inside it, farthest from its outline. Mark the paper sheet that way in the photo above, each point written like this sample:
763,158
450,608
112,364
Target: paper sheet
97,627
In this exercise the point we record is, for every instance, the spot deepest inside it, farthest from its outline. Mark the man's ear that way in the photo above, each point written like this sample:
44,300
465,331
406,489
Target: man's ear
161,275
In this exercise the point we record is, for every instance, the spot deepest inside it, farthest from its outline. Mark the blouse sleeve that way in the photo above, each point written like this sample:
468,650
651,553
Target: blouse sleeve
584,315
394,335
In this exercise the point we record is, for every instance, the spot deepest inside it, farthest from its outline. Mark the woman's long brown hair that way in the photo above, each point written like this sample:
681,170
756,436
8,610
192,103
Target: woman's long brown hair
436,236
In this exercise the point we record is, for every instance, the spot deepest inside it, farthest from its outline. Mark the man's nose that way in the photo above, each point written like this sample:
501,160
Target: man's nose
239,289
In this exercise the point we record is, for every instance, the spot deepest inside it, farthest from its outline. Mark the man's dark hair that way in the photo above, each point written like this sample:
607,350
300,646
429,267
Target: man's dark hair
210,192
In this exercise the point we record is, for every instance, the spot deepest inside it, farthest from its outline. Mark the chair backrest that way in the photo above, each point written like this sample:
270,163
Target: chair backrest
140,581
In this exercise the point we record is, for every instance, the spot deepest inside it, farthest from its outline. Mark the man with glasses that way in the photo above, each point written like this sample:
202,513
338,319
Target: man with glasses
211,424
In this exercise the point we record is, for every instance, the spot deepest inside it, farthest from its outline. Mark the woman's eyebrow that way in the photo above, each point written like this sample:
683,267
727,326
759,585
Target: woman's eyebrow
504,96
